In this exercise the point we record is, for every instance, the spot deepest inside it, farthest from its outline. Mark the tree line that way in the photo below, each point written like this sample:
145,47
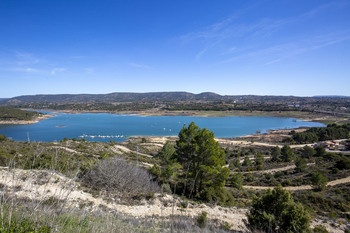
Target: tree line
315,134
12,114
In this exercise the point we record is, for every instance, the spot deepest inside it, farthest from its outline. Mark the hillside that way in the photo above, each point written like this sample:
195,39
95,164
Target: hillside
112,97
46,182
119,97
10,114
182,101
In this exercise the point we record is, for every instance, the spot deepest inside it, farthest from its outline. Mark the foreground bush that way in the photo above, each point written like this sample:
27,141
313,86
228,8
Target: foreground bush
120,178
277,212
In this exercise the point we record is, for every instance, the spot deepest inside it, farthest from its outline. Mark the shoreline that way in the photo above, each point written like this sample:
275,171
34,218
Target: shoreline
270,133
270,139
304,116
25,122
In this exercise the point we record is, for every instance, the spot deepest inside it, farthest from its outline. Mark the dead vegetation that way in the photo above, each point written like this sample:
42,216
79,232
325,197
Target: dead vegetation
119,178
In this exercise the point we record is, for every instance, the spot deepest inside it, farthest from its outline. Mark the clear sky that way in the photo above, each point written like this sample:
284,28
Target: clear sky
263,47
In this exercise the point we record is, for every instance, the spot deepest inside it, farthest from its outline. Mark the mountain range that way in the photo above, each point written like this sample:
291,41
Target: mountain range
129,97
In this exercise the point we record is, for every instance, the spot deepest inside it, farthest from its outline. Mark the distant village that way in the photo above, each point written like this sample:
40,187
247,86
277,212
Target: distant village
334,145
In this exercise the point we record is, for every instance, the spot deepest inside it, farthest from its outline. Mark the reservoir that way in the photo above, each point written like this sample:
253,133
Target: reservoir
118,127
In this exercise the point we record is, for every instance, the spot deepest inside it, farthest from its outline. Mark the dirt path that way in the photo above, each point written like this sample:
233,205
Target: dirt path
66,149
274,170
152,144
250,143
120,148
240,142
253,158
302,187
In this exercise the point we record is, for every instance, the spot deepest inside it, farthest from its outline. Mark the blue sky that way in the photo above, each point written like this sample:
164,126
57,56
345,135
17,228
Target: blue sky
232,47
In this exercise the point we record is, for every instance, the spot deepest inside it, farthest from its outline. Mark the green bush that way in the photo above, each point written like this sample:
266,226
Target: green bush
235,164
156,170
166,188
319,181
221,196
226,226
308,152
246,162
259,159
167,172
287,153
320,229
343,163
202,219
237,181
3,138
277,211
276,154
300,165
23,226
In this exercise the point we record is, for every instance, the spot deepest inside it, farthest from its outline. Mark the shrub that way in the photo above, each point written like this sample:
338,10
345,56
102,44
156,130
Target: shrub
320,229
167,172
320,151
226,226
343,163
202,219
237,181
166,188
166,152
287,153
277,211
288,140
308,152
120,178
246,162
22,226
259,159
3,138
319,181
156,170
300,165
184,204
221,196
235,164
276,154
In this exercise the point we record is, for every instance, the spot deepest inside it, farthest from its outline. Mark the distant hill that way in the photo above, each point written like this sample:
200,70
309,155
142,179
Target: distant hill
113,97
331,96
125,97
178,101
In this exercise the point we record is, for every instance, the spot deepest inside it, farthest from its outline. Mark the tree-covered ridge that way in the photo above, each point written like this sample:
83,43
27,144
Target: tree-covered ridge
11,114
331,132
178,101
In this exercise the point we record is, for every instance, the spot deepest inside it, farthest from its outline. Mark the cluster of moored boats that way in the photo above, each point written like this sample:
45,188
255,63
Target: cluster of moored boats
101,136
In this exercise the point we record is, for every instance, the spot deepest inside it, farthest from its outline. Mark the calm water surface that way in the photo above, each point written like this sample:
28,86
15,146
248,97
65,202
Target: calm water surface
117,127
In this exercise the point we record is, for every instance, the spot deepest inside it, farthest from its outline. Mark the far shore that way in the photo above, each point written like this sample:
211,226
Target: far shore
305,116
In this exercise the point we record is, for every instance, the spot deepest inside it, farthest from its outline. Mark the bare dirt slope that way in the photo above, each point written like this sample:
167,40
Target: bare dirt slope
41,185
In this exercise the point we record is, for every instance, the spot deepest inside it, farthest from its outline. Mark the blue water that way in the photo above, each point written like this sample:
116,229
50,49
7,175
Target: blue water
120,127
